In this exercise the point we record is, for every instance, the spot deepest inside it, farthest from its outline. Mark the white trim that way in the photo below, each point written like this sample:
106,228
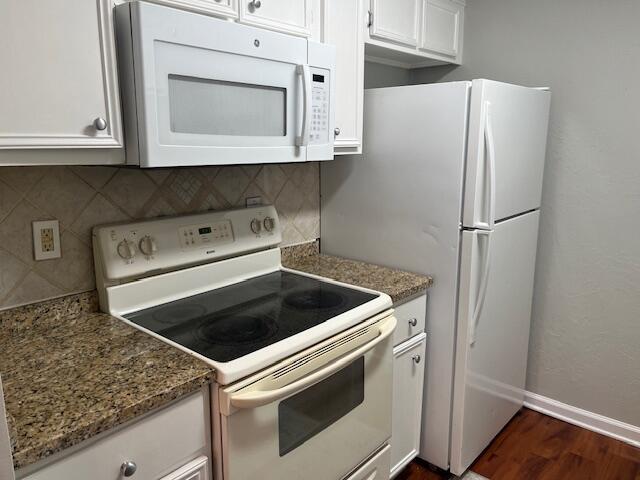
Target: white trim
595,422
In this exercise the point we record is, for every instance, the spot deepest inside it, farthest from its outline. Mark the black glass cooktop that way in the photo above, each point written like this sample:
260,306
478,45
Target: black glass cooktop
229,322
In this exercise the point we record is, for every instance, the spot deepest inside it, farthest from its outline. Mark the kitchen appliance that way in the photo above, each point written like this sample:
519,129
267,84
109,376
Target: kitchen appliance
203,91
449,184
303,364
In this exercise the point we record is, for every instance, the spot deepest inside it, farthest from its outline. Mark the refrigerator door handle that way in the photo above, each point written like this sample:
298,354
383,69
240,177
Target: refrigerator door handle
482,291
491,163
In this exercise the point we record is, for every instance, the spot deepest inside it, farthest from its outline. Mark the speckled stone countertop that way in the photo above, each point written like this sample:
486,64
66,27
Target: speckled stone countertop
70,372
398,284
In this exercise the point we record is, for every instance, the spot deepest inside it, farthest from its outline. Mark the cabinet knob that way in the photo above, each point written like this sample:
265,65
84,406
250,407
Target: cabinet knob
336,131
416,359
100,123
413,322
128,468
255,3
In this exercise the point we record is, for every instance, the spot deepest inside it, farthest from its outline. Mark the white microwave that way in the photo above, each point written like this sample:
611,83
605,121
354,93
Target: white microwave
202,91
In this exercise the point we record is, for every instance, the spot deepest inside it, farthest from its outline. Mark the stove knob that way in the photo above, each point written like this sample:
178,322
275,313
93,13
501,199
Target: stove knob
126,249
256,226
269,223
148,245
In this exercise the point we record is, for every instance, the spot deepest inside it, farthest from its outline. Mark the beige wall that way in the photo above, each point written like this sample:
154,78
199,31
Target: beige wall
585,342
81,197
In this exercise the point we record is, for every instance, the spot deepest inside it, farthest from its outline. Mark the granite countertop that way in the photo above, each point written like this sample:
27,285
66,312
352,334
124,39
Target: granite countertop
70,372
398,284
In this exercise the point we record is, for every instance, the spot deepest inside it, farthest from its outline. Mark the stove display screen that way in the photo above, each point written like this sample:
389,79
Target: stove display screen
229,322
204,230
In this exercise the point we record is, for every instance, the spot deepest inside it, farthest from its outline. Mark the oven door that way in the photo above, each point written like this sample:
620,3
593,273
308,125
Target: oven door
209,91
317,415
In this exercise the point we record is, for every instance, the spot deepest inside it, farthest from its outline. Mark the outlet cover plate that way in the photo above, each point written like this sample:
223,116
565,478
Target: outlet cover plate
46,239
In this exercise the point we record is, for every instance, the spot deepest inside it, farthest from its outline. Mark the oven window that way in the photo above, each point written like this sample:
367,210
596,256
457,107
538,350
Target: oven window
307,413
213,107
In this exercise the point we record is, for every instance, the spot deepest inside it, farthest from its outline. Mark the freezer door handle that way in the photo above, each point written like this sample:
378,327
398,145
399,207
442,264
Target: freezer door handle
491,164
482,291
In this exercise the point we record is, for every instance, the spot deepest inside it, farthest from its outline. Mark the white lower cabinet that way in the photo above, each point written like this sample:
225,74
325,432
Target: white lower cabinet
196,470
376,468
408,381
171,444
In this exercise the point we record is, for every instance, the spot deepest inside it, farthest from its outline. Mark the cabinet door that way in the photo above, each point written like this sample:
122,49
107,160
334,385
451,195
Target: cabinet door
221,8
343,27
441,26
395,21
58,87
288,16
408,380
196,470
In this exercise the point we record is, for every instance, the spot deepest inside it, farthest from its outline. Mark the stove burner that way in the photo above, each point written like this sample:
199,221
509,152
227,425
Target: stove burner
175,314
236,329
314,300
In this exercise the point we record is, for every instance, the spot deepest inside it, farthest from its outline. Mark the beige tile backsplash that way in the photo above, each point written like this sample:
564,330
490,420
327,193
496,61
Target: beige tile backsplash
81,197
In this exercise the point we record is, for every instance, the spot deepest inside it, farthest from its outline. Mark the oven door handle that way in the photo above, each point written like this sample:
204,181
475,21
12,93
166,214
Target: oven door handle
258,398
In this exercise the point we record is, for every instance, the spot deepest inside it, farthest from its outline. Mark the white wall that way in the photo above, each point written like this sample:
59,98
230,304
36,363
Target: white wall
585,342
377,75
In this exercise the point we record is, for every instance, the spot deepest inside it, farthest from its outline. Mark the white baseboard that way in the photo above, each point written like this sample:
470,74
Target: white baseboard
583,418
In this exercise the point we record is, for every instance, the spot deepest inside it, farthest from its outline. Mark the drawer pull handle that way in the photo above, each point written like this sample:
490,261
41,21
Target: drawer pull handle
255,4
416,359
128,468
413,322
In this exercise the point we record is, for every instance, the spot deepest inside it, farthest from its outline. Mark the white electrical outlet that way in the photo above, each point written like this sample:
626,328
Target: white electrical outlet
46,239
253,201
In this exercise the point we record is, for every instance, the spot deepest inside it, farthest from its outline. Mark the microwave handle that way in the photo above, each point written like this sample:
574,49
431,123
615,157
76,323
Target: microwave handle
303,70
258,398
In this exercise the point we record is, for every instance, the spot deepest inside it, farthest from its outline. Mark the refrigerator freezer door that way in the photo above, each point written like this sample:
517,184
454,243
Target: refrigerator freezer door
493,333
506,151
399,204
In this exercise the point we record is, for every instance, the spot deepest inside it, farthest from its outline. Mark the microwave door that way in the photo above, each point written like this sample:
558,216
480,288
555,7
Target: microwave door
214,92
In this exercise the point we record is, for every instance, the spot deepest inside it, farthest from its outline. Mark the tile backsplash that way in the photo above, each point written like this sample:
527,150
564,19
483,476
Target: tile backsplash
81,197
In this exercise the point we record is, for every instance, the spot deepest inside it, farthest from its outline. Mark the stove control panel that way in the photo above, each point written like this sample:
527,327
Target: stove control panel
206,234
134,250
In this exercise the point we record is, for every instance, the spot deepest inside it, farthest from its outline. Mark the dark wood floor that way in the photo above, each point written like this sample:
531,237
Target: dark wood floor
536,447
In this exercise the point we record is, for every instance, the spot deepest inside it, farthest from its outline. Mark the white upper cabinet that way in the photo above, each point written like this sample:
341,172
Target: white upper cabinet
441,20
395,21
287,16
414,34
343,26
58,87
218,8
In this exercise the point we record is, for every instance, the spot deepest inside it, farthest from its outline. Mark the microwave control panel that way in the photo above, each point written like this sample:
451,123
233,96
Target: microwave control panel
320,91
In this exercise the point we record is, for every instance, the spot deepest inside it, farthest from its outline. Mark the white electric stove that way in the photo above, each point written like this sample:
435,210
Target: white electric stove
302,363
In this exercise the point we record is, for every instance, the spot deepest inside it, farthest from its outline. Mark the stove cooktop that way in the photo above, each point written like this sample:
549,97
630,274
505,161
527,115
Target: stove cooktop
230,322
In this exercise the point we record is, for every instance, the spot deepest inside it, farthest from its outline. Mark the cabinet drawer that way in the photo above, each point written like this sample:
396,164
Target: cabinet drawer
158,444
411,318
376,468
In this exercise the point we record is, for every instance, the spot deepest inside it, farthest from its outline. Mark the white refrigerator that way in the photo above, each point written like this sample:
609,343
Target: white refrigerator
449,184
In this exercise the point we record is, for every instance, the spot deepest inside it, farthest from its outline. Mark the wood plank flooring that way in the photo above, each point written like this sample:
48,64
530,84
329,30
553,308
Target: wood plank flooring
537,447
